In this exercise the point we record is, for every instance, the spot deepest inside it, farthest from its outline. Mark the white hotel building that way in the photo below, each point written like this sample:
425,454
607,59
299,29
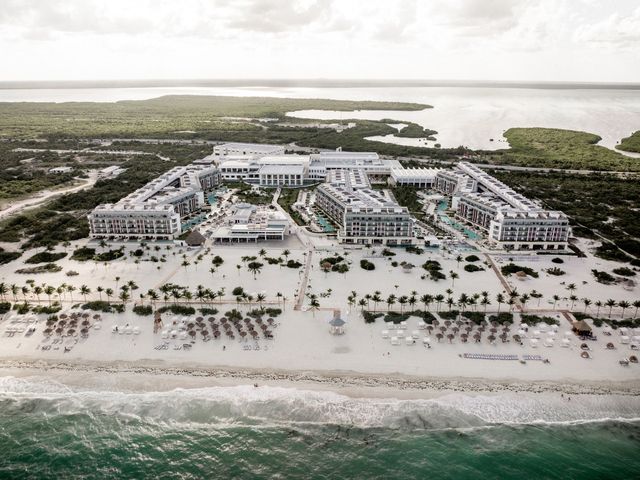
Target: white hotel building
156,210
256,150
510,220
364,216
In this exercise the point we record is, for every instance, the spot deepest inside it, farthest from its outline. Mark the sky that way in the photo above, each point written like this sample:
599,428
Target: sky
511,40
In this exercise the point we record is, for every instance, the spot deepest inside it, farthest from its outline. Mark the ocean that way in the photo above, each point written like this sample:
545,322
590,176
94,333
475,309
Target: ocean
49,430
470,115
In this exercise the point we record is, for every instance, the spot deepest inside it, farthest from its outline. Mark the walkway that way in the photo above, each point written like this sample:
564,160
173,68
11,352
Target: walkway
305,279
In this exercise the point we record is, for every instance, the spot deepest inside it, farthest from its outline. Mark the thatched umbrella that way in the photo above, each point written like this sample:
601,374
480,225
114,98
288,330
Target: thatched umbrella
71,331
633,359
477,337
224,320
506,324
190,325
450,337
263,327
493,330
492,338
481,329
243,334
85,315
85,322
270,321
211,319
247,320
455,330
59,330
610,346
468,329
216,334
205,333
199,319
436,322
63,315
459,323
516,338
96,316
447,323
430,328
192,333
503,337
47,331
439,336
84,331
494,324
464,337
62,323
51,322
484,323
254,334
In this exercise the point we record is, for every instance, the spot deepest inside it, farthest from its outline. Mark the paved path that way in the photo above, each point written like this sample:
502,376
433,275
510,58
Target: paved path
304,281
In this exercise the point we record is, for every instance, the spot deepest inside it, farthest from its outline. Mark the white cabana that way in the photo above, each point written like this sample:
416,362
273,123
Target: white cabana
624,339
385,333
421,325
623,330
415,334
566,342
426,340
549,342
409,341
534,343
536,334
402,325
395,341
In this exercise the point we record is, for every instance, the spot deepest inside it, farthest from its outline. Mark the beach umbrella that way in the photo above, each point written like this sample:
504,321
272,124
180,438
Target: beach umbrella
477,337
447,323
63,315
450,337
47,331
85,315
59,330
85,322
443,329
270,321
491,338
243,334
493,330
516,338
439,336
84,331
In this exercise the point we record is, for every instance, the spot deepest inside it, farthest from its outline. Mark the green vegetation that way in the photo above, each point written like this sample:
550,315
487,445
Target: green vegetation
4,307
334,264
293,264
370,317
624,272
6,257
247,194
555,148
414,130
597,204
287,198
367,265
631,143
472,258
510,268
83,254
46,268
532,320
434,268
603,277
102,306
555,271
142,310
178,309
501,317
407,196
470,267
208,311
557,260
45,257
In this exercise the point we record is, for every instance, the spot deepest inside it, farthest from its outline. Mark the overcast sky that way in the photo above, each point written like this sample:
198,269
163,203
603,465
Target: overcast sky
549,40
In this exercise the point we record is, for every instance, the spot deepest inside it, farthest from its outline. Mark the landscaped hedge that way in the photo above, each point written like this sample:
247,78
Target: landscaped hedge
45,257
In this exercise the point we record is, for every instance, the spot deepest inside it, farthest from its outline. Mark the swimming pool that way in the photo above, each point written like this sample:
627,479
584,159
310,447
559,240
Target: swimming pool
471,235
324,223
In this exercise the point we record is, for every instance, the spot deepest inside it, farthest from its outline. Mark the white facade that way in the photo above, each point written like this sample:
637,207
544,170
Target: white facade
253,149
251,223
110,172
415,177
155,211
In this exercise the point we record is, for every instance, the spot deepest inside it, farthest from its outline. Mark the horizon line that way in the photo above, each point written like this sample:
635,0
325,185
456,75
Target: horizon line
310,82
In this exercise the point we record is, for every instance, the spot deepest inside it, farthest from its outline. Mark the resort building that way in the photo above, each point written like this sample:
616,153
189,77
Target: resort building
110,172
268,171
376,168
251,223
156,210
256,150
365,216
61,170
509,219
415,177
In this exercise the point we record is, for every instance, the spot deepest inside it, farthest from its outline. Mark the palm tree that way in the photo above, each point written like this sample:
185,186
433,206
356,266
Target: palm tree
70,290
485,302
453,275
598,304
362,303
555,300
500,300
124,296
610,303
153,296
3,290
573,299
278,296
586,302
463,300
571,287
285,254
262,252
260,298
524,298
100,290
426,299
402,301
254,267
25,291
376,299
314,304
109,293
511,302
623,304
84,291
391,299
439,298
367,298
14,291
412,302
636,304
450,302
49,290
37,290
117,280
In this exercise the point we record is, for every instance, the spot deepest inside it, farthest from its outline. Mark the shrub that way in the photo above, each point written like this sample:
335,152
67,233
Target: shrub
557,260
340,268
367,265
238,291
472,258
502,317
293,264
436,275
208,311
6,257
475,317
432,265
4,307
98,305
273,261
46,268
370,317
414,249
71,273
109,256
394,264
46,309
273,312
22,308
331,260
603,277
555,271
470,267
396,317
388,253
143,310
510,268
535,319
178,309
45,257
217,260
83,254
624,272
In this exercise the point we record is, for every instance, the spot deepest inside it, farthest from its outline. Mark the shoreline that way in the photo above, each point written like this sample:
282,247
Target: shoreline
154,376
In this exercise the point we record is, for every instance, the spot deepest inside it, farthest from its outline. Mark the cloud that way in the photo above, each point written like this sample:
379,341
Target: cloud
614,32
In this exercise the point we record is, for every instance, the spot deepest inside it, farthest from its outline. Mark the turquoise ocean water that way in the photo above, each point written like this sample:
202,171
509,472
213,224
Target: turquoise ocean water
48,430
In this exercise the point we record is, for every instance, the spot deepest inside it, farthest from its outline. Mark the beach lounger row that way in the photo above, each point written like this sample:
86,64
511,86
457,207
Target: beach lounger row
489,356
532,357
